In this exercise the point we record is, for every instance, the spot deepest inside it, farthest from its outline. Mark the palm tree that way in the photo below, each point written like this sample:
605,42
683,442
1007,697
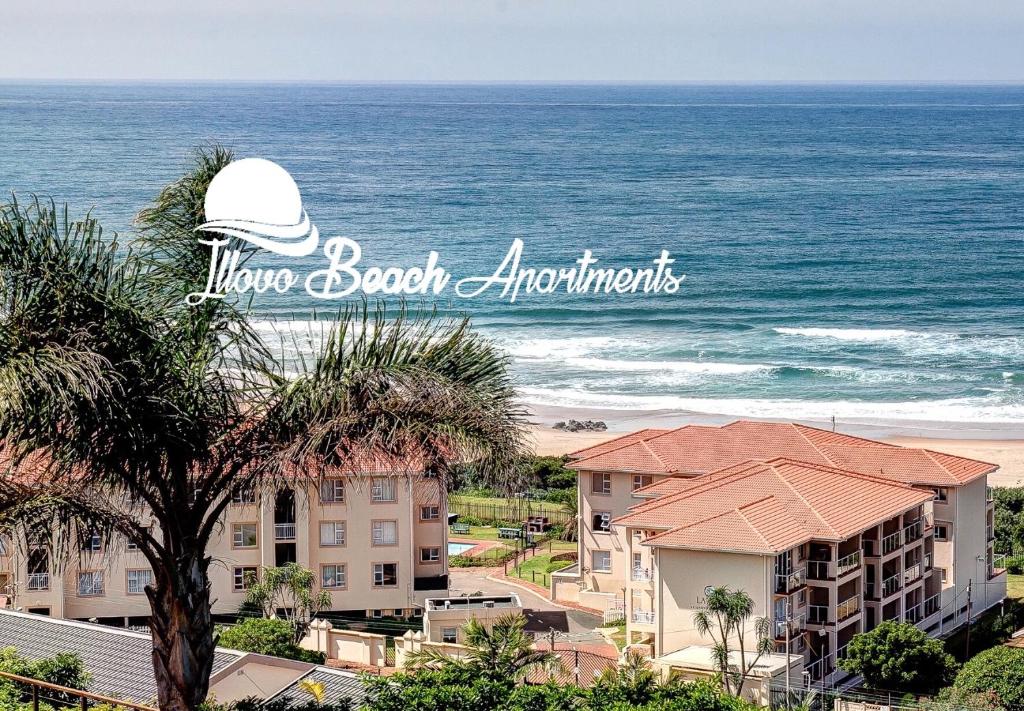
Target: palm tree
120,405
633,681
503,652
725,617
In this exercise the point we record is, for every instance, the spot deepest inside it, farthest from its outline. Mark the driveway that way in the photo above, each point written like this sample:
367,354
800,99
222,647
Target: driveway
542,615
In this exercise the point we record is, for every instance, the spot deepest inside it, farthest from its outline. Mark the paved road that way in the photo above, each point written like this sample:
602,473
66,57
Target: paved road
542,615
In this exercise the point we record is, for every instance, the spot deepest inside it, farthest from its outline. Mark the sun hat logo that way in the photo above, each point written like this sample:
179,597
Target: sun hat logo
258,201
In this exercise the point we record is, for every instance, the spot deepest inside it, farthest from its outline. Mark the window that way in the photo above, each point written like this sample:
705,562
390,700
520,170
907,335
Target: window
450,635
941,532
243,535
385,533
243,495
602,561
383,489
243,577
138,580
602,521
132,546
332,577
430,513
941,494
93,543
642,480
601,483
430,555
942,574
332,491
38,569
332,533
385,575
90,583
3,545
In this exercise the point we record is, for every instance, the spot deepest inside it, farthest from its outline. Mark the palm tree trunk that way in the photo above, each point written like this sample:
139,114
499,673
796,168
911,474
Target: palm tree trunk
183,642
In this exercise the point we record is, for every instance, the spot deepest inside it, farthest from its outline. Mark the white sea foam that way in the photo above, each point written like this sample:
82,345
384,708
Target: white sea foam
864,335
977,409
673,366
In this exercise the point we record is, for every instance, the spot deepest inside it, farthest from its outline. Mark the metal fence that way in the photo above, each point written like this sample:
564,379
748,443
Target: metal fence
511,510
35,692
573,666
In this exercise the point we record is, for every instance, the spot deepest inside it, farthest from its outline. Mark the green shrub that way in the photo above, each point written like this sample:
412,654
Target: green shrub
899,657
999,670
264,636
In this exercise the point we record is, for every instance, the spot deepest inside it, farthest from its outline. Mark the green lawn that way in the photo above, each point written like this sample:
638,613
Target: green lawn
535,569
1015,586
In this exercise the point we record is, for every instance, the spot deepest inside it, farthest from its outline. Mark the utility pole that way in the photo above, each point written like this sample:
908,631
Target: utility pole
967,637
788,614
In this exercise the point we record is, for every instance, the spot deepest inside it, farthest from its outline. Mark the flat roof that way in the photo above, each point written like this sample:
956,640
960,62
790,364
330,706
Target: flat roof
473,602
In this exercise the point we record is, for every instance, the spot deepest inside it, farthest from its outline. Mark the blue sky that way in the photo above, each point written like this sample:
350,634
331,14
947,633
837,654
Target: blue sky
515,40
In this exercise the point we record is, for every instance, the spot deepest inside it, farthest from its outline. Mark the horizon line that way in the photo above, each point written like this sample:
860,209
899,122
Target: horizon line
519,82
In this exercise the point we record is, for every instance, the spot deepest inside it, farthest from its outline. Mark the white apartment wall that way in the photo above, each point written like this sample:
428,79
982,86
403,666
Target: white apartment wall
681,581
970,542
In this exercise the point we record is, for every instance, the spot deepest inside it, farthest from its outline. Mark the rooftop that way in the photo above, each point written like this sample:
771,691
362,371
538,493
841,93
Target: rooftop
473,602
693,450
120,661
770,507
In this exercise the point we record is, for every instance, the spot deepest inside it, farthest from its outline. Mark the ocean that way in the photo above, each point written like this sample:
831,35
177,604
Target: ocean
849,251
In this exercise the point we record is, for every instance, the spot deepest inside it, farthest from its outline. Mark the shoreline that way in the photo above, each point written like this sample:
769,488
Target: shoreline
998,443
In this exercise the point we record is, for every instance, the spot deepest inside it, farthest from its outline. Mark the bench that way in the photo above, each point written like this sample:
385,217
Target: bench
460,528
509,532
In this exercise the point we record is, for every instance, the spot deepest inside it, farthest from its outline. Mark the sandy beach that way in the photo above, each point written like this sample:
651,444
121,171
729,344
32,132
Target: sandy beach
999,444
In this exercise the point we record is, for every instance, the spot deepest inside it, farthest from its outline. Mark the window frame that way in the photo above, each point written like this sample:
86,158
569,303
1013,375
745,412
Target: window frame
239,584
373,532
606,517
593,561
336,484
435,509
243,496
606,483
234,533
382,584
338,526
944,538
380,486
430,561
128,580
447,638
648,477
94,575
340,573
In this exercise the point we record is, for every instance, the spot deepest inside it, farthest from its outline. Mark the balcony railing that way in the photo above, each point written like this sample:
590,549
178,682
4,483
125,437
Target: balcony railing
932,605
848,608
847,563
643,617
788,582
989,495
912,531
891,543
284,531
38,581
642,575
914,614
891,585
794,625
927,562
817,570
912,574
817,614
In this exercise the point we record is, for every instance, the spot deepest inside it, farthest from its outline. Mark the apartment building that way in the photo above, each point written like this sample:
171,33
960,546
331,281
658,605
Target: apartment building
784,531
376,536
959,516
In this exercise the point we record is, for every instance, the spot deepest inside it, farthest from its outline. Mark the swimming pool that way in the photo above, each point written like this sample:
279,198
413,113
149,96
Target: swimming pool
459,548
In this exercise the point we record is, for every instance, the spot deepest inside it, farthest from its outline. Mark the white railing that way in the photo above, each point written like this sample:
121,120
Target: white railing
848,563
999,561
38,581
891,585
787,582
891,542
914,614
912,531
795,624
284,531
642,575
912,574
643,617
932,605
847,608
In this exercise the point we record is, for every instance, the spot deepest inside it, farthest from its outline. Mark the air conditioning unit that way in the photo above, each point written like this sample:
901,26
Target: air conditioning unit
488,603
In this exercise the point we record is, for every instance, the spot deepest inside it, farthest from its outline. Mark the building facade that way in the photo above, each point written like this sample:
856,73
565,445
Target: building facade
377,543
614,477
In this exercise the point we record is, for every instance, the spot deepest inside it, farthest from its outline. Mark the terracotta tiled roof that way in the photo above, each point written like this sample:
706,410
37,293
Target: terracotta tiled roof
617,442
697,449
769,507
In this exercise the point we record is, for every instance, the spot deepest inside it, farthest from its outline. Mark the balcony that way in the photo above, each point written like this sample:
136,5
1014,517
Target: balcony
848,564
818,570
642,617
913,531
914,614
891,585
794,626
932,605
989,495
38,581
284,531
642,575
912,574
788,582
848,608
892,542
870,547
817,614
